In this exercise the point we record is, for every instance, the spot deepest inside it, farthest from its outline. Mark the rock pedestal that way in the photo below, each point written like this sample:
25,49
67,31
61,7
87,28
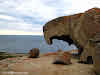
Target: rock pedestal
97,58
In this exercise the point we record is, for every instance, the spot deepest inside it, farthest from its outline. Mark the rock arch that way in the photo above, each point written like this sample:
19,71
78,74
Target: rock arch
81,28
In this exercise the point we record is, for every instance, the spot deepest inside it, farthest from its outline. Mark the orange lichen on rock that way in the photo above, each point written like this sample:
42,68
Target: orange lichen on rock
50,53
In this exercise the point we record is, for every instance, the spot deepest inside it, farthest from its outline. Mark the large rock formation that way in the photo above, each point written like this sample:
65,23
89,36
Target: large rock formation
80,29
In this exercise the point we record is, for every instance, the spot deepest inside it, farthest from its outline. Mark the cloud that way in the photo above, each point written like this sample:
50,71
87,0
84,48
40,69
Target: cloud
78,6
7,17
31,15
18,32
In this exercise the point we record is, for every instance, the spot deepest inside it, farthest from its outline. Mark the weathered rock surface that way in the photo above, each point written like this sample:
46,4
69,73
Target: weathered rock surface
34,53
62,58
42,66
78,29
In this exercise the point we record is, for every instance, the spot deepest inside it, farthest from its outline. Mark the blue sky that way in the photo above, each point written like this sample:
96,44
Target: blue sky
27,17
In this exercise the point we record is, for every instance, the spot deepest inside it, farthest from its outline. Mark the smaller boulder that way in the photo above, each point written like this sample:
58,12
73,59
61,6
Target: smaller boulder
34,53
62,58
59,51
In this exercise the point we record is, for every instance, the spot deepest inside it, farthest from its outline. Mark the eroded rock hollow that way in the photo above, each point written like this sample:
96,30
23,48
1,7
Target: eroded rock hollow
81,29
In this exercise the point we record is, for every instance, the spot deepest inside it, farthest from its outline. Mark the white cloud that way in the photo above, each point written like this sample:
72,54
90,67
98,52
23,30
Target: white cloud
78,6
30,15
7,17
19,32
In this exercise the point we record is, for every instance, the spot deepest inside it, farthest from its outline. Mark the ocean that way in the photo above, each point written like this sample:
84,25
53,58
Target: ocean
23,43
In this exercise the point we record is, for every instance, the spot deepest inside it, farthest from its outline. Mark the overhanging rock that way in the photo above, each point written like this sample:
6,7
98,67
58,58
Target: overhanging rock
78,29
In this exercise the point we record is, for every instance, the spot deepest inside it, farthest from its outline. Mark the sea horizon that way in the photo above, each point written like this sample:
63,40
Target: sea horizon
23,43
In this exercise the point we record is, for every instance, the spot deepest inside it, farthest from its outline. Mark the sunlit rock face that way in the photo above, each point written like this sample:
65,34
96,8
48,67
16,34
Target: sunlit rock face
62,58
79,29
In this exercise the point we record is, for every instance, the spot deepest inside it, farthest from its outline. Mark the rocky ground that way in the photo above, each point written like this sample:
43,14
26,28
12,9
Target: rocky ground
42,66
